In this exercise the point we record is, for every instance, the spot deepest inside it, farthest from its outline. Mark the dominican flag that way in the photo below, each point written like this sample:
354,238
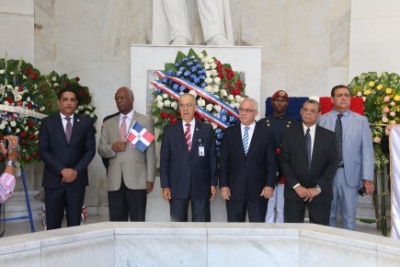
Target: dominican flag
140,137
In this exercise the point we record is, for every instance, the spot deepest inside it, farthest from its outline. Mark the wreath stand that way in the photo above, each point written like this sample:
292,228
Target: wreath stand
28,205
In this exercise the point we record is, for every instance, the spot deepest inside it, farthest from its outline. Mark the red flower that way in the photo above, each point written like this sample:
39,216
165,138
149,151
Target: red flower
28,158
31,123
28,71
34,76
23,142
164,115
29,105
19,89
50,106
23,134
235,92
9,100
278,150
32,136
35,154
77,79
173,120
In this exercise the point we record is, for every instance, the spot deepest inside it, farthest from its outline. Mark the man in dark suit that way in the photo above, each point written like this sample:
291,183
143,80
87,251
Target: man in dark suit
247,166
66,146
188,165
309,163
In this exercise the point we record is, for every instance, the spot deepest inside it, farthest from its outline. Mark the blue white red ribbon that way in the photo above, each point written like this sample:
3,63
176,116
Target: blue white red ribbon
209,116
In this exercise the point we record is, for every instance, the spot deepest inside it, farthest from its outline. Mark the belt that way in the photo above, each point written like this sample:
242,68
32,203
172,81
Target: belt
340,166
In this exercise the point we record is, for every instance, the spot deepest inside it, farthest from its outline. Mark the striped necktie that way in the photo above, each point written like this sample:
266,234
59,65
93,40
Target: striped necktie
246,140
68,129
122,129
188,136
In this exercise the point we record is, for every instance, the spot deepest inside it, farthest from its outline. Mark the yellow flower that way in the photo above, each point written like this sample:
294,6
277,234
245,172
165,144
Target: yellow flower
389,91
371,84
379,87
396,98
367,92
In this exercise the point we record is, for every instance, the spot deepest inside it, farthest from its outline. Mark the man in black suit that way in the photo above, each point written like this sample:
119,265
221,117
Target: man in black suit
66,146
247,166
188,165
309,162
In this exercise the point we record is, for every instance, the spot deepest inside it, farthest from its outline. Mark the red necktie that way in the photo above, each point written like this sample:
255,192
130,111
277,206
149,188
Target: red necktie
188,136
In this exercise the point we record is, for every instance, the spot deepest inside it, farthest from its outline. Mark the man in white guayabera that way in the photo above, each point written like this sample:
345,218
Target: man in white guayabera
215,17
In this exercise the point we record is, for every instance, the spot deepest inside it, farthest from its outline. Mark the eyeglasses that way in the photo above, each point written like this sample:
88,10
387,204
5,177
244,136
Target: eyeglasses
243,110
188,105
312,111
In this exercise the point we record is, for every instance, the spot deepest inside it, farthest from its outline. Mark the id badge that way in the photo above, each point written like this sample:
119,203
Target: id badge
201,151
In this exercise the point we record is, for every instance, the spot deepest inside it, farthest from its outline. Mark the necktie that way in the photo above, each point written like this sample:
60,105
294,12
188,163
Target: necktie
188,136
308,146
122,129
339,136
246,140
68,129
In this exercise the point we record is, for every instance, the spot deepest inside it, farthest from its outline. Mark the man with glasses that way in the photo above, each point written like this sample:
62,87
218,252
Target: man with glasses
247,166
356,158
309,162
188,165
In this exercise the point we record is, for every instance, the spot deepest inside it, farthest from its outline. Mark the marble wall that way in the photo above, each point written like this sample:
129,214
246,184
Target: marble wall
307,46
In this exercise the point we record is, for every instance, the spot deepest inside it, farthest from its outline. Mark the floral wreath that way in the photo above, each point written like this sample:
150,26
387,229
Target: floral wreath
26,97
218,91
381,95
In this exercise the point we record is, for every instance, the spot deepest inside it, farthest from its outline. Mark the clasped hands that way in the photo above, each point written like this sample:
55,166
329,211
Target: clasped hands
306,193
68,175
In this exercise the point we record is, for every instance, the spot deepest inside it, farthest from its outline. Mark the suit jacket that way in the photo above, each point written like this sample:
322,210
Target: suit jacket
246,176
135,167
186,173
358,154
295,163
57,154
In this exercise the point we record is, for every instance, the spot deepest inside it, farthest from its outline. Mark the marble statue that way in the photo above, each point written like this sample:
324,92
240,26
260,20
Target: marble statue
171,22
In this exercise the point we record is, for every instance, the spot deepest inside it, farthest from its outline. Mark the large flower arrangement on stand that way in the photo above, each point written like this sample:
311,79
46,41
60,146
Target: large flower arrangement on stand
217,88
381,95
25,98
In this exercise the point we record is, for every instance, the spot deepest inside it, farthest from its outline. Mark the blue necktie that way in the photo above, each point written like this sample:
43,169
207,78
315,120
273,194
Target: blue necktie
246,140
339,137
308,146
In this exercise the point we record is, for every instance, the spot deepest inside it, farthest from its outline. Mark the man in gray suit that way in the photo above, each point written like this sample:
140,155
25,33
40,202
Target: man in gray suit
131,173
356,156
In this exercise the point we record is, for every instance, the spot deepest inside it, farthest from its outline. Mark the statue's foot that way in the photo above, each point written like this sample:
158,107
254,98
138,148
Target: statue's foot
180,40
219,40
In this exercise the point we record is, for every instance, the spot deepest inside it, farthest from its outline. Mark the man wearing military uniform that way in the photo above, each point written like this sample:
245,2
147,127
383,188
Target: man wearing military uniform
278,122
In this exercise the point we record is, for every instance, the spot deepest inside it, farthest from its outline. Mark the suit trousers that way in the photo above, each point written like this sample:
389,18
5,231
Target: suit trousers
65,197
127,203
348,199
236,210
178,209
318,212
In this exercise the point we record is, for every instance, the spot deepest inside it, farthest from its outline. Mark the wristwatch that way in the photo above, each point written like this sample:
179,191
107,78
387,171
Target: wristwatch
11,163
318,189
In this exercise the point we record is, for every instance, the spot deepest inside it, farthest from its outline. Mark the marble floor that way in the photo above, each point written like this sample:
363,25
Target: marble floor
23,227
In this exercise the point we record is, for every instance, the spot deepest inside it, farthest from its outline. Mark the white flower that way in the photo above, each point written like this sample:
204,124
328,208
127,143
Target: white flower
209,107
236,105
238,98
193,93
55,84
87,113
2,126
213,65
208,80
2,71
201,102
9,87
17,97
165,96
392,113
215,88
159,98
359,93
209,88
23,77
26,128
13,123
206,66
11,73
208,73
217,80
217,108
160,105
174,105
28,99
42,108
214,73
224,92
89,107
91,115
77,110
384,119
167,103
201,56
17,130
230,98
392,103
54,79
